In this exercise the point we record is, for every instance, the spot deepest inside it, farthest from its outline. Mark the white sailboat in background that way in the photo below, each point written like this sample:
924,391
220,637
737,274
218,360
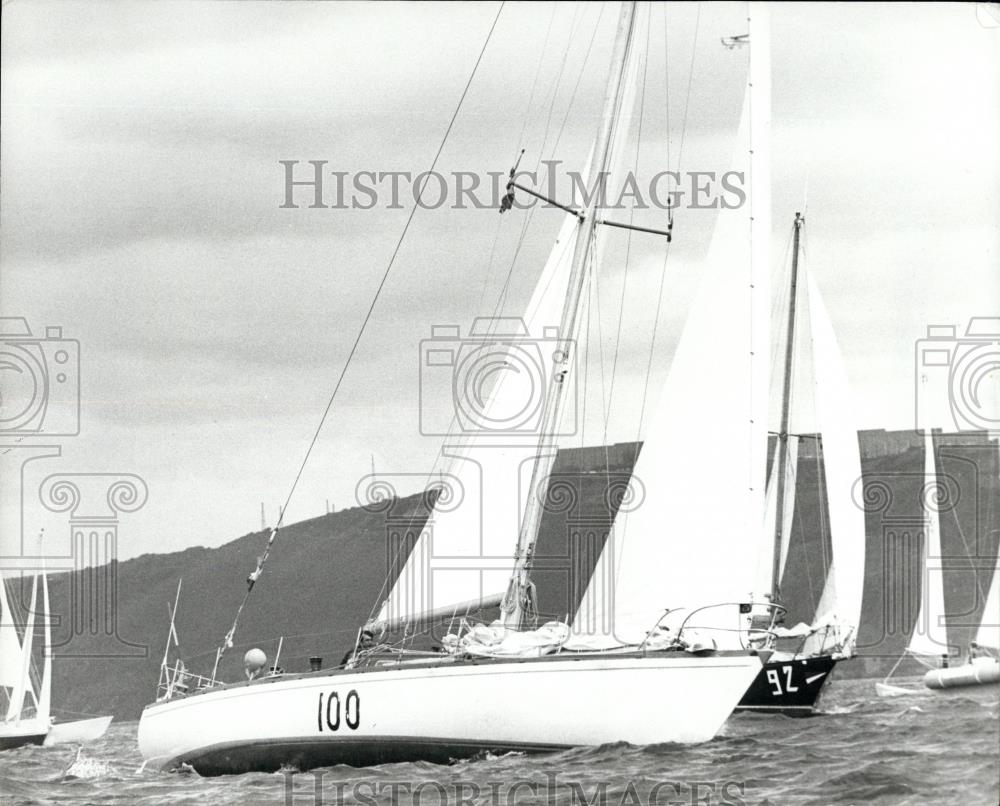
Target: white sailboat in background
814,379
27,717
528,688
929,639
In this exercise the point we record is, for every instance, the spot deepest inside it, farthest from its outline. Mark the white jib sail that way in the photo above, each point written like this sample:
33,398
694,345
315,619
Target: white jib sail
693,543
840,604
930,637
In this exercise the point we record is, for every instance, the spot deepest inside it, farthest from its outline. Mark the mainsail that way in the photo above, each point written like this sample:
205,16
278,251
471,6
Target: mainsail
463,559
693,544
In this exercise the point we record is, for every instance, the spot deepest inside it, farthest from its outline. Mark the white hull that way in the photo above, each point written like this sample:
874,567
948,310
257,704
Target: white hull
26,731
445,711
78,731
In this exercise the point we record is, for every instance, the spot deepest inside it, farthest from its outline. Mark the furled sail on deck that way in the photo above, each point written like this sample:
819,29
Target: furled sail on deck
693,542
930,635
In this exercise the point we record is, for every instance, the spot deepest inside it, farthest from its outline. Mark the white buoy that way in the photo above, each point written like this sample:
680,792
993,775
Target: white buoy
254,661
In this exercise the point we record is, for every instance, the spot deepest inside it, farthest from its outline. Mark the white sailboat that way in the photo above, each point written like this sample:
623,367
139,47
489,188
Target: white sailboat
27,717
645,683
982,663
814,376
929,639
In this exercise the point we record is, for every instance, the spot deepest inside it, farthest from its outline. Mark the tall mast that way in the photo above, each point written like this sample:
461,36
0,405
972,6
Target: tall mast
514,603
786,393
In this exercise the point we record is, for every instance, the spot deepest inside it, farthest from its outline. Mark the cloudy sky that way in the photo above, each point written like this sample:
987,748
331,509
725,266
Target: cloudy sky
141,211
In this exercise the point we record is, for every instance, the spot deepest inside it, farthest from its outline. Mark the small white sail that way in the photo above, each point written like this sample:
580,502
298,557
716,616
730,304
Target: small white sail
22,685
988,634
840,603
694,542
10,642
930,637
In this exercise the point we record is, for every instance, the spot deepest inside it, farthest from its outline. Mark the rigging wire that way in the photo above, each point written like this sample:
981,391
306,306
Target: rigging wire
666,253
529,217
520,142
357,340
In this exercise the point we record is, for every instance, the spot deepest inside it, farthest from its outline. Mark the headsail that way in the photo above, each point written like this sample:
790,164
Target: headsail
693,543
840,604
930,637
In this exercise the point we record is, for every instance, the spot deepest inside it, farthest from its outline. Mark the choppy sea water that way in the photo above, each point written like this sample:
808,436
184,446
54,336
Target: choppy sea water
929,748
